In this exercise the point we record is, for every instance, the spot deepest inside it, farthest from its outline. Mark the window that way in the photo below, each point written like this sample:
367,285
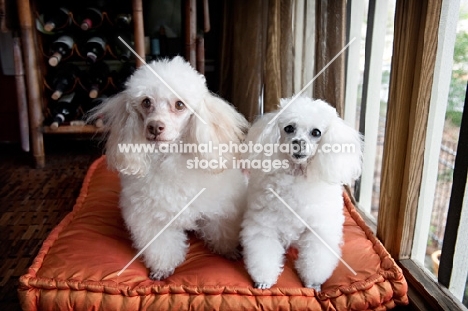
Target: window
371,23
444,122
422,200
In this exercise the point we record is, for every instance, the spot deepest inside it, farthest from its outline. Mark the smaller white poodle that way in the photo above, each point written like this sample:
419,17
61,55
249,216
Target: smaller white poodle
318,153
157,185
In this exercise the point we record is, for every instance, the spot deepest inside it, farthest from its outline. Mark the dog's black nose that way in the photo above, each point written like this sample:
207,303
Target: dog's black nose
155,127
299,148
298,145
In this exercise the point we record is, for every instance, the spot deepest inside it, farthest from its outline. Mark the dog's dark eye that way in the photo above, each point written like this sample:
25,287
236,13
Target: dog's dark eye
289,129
179,105
316,133
146,103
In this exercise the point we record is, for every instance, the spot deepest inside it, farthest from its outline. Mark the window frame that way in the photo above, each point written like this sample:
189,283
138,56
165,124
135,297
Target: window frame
454,250
411,82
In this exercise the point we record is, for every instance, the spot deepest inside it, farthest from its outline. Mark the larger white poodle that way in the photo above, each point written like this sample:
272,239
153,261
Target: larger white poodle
323,154
157,185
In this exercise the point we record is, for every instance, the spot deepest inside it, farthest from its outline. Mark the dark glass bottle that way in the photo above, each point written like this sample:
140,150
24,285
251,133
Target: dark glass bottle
60,48
121,14
91,17
123,53
65,109
95,48
57,17
64,79
163,44
123,20
97,78
155,47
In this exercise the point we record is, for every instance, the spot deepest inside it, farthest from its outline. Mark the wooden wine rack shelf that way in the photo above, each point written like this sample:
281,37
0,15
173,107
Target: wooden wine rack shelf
74,129
34,62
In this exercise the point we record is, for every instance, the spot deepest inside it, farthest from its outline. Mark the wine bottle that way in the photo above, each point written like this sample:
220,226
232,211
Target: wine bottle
163,46
95,49
97,78
56,18
60,48
155,46
65,109
64,79
91,18
121,50
120,13
123,20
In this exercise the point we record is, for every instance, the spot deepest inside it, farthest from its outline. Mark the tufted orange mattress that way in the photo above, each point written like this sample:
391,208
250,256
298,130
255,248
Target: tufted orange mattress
77,266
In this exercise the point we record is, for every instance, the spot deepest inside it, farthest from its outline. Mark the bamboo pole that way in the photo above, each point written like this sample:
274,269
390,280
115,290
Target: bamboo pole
201,54
3,23
206,16
32,82
139,32
21,94
191,31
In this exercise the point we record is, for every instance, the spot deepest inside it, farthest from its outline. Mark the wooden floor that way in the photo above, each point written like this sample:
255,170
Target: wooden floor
33,201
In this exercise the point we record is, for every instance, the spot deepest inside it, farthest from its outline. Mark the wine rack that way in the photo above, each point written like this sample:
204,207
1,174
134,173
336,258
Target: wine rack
37,38
41,64
80,48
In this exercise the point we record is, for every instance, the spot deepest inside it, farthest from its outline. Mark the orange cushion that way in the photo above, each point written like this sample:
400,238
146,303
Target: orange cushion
78,263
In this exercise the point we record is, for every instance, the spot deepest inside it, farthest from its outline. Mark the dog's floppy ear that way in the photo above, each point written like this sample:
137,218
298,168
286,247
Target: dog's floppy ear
124,127
339,157
219,123
263,131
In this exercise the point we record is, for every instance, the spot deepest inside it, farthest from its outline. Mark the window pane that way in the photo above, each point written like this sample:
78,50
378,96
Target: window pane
386,65
372,100
448,147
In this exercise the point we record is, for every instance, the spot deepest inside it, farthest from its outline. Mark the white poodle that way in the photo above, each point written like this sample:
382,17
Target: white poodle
157,185
309,133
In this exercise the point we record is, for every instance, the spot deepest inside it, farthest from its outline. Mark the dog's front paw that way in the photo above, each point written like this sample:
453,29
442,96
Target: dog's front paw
262,285
159,275
318,288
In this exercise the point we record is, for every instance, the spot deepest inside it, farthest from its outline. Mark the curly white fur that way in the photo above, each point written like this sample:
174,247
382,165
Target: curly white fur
156,186
311,186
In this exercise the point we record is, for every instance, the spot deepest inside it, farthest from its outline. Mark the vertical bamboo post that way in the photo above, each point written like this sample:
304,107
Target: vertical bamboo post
206,16
32,82
191,31
3,23
21,94
139,32
201,54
